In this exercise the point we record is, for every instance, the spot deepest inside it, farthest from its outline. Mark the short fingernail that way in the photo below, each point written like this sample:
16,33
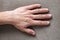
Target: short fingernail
49,15
48,22
46,8
33,33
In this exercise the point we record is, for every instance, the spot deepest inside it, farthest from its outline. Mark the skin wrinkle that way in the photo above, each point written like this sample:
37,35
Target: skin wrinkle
23,17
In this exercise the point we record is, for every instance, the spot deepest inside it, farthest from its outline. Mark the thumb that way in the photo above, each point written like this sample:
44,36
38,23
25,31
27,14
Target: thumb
26,30
29,31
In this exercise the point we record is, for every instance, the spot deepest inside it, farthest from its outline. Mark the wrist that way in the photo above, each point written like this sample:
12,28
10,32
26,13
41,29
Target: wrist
5,18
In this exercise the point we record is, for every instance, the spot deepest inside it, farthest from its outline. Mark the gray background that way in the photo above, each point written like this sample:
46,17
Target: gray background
8,32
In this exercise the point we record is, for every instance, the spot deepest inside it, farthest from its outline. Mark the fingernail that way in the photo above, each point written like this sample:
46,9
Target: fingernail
46,8
50,15
33,33
48,22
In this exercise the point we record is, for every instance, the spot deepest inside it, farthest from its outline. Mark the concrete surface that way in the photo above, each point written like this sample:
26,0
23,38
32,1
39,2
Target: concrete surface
8,32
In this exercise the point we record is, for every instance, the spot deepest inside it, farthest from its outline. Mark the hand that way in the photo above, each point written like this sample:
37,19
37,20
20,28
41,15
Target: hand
24,17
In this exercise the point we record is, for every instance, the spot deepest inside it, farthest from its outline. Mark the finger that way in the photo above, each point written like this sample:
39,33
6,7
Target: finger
41,16
24,29
33,6
29,31
35,22
42,10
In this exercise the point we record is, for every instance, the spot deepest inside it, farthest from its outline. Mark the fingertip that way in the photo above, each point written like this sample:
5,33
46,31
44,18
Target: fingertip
48,22
45,9
50,15
30,31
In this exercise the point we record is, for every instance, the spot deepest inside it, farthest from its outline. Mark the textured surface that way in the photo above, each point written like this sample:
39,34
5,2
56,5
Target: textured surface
8,32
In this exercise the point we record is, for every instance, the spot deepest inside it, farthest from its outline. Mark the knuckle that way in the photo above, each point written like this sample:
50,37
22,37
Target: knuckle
28,20
31,16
